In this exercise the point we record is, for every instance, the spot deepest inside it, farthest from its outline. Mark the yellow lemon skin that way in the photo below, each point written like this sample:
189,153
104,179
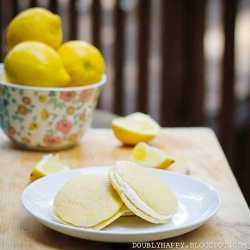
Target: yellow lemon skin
35,24
83,61
37,174
135,128
129,137
35,64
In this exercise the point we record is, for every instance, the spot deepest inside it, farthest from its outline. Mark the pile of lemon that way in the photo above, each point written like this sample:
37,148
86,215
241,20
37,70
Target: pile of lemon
37,55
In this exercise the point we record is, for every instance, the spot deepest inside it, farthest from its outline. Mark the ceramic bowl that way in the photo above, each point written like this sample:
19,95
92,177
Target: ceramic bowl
47,119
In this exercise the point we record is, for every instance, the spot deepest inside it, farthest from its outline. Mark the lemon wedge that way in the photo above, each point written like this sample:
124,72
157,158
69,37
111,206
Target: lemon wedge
135,128
150,156
50,164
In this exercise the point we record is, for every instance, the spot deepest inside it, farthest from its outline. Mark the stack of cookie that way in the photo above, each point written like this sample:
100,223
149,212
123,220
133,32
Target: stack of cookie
94,201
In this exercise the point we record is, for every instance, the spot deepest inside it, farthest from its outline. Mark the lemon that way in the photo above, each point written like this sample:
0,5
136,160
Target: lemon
135,128
150,156
35,24
35,64
50,164
83,61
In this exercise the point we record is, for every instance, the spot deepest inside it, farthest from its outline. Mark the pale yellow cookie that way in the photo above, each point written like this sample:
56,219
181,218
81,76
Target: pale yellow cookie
143,192
88,201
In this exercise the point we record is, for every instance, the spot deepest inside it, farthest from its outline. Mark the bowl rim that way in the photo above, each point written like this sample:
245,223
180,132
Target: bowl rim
59,89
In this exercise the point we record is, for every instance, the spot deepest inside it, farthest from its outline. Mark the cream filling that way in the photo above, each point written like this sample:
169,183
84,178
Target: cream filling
136,200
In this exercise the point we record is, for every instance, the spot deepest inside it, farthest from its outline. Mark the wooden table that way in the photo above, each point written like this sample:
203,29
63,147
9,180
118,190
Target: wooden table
197,153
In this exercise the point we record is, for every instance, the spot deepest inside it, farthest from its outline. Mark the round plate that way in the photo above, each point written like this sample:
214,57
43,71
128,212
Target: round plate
198,202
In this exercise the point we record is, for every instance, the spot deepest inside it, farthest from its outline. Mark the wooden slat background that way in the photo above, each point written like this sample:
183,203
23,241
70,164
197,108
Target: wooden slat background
156,63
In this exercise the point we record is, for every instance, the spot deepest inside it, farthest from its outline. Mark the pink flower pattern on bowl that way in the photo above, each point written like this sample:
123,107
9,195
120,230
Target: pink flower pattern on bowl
47,119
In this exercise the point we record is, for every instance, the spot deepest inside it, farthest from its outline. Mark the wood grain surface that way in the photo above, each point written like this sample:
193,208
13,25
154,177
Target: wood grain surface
197,153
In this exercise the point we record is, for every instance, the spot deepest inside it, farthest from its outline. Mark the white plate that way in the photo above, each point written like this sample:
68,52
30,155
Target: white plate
198,202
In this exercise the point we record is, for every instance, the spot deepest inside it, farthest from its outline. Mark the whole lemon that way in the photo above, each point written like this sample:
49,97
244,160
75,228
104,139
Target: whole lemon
35,64
83,61
35,24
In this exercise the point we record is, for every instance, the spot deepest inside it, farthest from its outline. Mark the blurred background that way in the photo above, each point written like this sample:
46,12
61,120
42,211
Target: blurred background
184,62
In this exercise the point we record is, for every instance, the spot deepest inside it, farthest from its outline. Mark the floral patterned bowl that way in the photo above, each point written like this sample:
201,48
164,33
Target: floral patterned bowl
46,118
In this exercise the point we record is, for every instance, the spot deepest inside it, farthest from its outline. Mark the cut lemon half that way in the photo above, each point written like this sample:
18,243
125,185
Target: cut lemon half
135,128
50,164
150,156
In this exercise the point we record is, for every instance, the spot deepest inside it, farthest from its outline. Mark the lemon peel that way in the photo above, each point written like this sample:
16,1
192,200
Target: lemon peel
35,64
83,62
35,24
